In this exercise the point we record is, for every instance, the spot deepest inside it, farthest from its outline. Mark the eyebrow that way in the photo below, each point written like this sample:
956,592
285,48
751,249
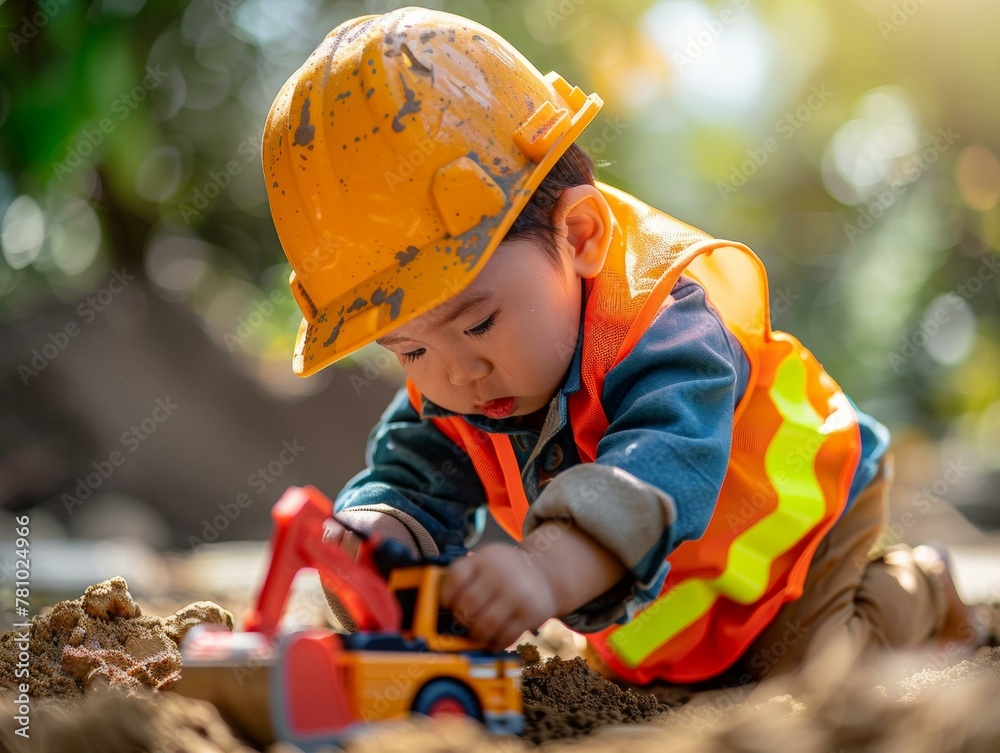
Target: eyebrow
451,313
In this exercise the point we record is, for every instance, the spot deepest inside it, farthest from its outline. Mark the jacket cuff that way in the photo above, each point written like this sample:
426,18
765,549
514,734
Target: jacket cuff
629,518
390,523
620,512
387,522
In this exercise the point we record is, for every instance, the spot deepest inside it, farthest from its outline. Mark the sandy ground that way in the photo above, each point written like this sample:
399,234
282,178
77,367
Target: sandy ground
103,670
928,712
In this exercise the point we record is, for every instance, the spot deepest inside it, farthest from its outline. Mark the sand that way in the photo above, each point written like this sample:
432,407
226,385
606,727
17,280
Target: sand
100,668
102,637
833,711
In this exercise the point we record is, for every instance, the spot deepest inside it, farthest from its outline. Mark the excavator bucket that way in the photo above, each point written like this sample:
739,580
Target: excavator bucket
309,703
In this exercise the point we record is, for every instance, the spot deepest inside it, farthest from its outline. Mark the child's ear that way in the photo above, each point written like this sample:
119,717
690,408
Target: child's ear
582,220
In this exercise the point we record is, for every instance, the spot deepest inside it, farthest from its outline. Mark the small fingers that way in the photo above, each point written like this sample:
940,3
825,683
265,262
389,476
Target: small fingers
460,575
496,625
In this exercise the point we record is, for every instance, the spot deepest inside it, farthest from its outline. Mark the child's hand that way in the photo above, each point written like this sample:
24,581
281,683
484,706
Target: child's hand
498,594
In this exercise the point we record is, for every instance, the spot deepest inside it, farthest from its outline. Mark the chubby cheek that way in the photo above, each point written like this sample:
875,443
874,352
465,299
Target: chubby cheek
538,350
433,383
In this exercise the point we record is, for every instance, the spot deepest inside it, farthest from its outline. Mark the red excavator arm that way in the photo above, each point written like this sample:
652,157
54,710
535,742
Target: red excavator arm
297,542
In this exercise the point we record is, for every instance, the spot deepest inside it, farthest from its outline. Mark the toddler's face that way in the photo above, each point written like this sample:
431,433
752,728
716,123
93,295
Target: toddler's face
503,345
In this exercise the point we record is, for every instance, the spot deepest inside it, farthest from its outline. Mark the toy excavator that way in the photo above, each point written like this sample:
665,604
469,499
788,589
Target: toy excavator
317,687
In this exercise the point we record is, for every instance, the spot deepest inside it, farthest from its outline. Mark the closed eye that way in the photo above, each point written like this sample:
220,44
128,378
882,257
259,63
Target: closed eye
482,329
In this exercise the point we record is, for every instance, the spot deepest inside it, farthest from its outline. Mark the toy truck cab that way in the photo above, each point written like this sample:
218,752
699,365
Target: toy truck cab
428,667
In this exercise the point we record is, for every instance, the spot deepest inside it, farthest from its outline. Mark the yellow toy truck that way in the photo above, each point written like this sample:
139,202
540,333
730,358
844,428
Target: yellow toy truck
318,687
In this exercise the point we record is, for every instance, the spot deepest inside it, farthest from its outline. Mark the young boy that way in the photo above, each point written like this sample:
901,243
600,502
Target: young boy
689,488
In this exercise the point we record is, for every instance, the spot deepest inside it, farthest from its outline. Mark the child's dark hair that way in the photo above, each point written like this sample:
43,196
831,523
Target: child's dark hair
574,168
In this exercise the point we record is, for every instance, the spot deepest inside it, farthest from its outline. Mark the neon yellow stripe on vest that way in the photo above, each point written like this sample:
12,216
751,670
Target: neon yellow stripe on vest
789,463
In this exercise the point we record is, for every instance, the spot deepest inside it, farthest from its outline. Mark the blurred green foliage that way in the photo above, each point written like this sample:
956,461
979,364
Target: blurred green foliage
852,144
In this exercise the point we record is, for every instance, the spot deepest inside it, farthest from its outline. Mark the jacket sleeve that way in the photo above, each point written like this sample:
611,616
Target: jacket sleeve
661,463
418,488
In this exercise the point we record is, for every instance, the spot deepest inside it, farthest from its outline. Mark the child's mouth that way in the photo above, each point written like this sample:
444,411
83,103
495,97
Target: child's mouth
499,408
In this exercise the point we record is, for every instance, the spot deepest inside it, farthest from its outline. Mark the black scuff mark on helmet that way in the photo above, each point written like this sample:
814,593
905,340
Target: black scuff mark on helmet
359,303
415,65
368,94
343,95
471,245
305,132
405,257
411,105
395,300
427,36
334,334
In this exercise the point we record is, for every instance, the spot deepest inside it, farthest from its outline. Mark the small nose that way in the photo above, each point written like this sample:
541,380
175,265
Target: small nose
467,368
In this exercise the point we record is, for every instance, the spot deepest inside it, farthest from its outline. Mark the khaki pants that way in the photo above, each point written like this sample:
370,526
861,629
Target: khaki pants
850,599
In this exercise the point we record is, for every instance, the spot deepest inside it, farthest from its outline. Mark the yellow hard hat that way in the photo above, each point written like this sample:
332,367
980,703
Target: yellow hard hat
396,158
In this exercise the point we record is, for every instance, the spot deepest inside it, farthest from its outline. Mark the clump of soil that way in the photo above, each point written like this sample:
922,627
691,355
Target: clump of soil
566,699
102,635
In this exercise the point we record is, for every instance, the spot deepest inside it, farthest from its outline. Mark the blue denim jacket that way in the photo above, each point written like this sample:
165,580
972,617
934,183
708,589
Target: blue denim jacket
670,406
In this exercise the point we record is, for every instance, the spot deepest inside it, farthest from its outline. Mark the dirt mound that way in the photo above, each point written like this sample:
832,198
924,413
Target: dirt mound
102,635
565,699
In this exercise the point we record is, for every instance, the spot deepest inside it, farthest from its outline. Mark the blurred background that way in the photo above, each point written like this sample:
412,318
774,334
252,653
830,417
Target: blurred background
146,327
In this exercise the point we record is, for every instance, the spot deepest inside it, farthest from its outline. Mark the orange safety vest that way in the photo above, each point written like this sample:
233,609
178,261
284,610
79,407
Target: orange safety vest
795,448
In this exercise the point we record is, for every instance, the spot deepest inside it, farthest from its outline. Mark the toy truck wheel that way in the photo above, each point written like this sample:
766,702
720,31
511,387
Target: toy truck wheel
441,697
